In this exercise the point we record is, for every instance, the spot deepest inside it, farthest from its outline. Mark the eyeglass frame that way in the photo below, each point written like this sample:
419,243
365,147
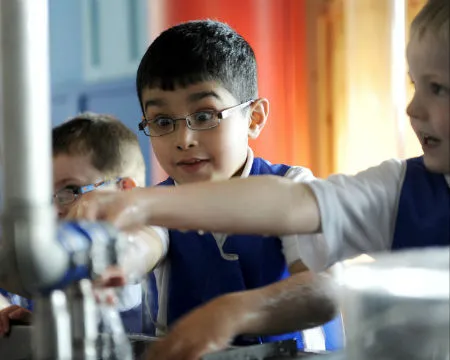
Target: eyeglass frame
219,114
81,190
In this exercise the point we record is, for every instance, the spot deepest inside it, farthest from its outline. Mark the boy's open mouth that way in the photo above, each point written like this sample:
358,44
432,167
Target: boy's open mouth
191,161
429,141
193,165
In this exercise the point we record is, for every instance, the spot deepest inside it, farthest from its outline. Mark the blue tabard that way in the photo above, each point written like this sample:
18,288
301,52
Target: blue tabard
199,273
423,217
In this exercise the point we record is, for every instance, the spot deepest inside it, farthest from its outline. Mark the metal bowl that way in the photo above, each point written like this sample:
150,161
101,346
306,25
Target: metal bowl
397,307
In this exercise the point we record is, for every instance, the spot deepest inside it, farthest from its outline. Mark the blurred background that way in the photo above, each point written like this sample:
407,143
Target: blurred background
334,71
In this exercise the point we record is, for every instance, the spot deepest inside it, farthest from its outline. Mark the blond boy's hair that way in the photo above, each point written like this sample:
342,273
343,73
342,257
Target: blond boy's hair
433,19
113,148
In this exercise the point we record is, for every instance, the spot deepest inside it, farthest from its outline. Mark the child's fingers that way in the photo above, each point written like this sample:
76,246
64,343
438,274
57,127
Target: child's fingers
21,314
113,281
113,276
4,324
105,296
5,320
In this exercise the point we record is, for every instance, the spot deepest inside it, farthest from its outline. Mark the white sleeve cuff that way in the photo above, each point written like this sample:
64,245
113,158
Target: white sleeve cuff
164,236
310,249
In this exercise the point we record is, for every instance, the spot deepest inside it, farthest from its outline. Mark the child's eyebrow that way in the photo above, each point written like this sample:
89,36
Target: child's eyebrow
68,182
201,95
192,98
154,102
432,76
428,76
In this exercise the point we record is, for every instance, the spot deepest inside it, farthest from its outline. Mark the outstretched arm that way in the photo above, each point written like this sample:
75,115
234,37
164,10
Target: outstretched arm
302,301
269,205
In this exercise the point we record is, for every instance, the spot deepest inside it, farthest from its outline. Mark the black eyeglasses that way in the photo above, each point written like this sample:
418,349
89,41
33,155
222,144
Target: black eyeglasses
201,120
68,195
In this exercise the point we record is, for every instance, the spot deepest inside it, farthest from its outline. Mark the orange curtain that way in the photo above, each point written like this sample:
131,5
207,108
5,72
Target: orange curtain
276,29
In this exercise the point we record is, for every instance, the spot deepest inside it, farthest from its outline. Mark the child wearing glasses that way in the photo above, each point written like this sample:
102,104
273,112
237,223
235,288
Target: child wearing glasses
197,86
95,152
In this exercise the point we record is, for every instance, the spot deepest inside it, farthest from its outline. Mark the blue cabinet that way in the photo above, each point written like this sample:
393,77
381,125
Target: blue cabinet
117,98
66,43
95,49
65,104
114,37
96,40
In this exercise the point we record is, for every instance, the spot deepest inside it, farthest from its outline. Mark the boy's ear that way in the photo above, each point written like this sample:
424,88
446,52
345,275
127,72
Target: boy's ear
259,111
127,183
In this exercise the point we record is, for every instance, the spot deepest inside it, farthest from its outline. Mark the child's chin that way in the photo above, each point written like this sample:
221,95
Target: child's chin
437,165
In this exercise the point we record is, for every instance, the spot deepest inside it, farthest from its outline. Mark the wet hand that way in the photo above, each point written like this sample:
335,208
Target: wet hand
101,206
114,276
207,329
124,209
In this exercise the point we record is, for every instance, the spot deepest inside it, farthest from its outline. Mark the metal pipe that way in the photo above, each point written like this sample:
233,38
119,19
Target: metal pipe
84,322
51,333
34,258
29,245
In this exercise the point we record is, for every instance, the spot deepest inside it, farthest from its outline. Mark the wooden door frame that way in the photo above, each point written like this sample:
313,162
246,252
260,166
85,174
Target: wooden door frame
325,18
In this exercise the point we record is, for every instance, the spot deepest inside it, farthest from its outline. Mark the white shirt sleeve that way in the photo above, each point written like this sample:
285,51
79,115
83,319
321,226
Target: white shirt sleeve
164,236
131,294
358,214
162,274
3,302
292,244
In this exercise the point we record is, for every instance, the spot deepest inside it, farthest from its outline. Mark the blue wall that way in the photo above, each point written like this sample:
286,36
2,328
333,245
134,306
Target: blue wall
73,88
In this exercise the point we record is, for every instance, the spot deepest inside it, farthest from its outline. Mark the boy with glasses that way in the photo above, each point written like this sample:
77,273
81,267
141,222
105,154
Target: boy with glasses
197,86
93,153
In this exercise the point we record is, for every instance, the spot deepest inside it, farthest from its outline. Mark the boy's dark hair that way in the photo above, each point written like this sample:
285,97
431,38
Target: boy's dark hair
197,51
113,147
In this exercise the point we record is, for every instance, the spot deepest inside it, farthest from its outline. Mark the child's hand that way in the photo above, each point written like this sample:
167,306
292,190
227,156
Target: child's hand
13,312
114,276
124,209
207,329
79,210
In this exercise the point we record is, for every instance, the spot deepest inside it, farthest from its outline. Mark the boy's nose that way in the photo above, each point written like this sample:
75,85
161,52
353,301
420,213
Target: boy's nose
186,138
415,109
